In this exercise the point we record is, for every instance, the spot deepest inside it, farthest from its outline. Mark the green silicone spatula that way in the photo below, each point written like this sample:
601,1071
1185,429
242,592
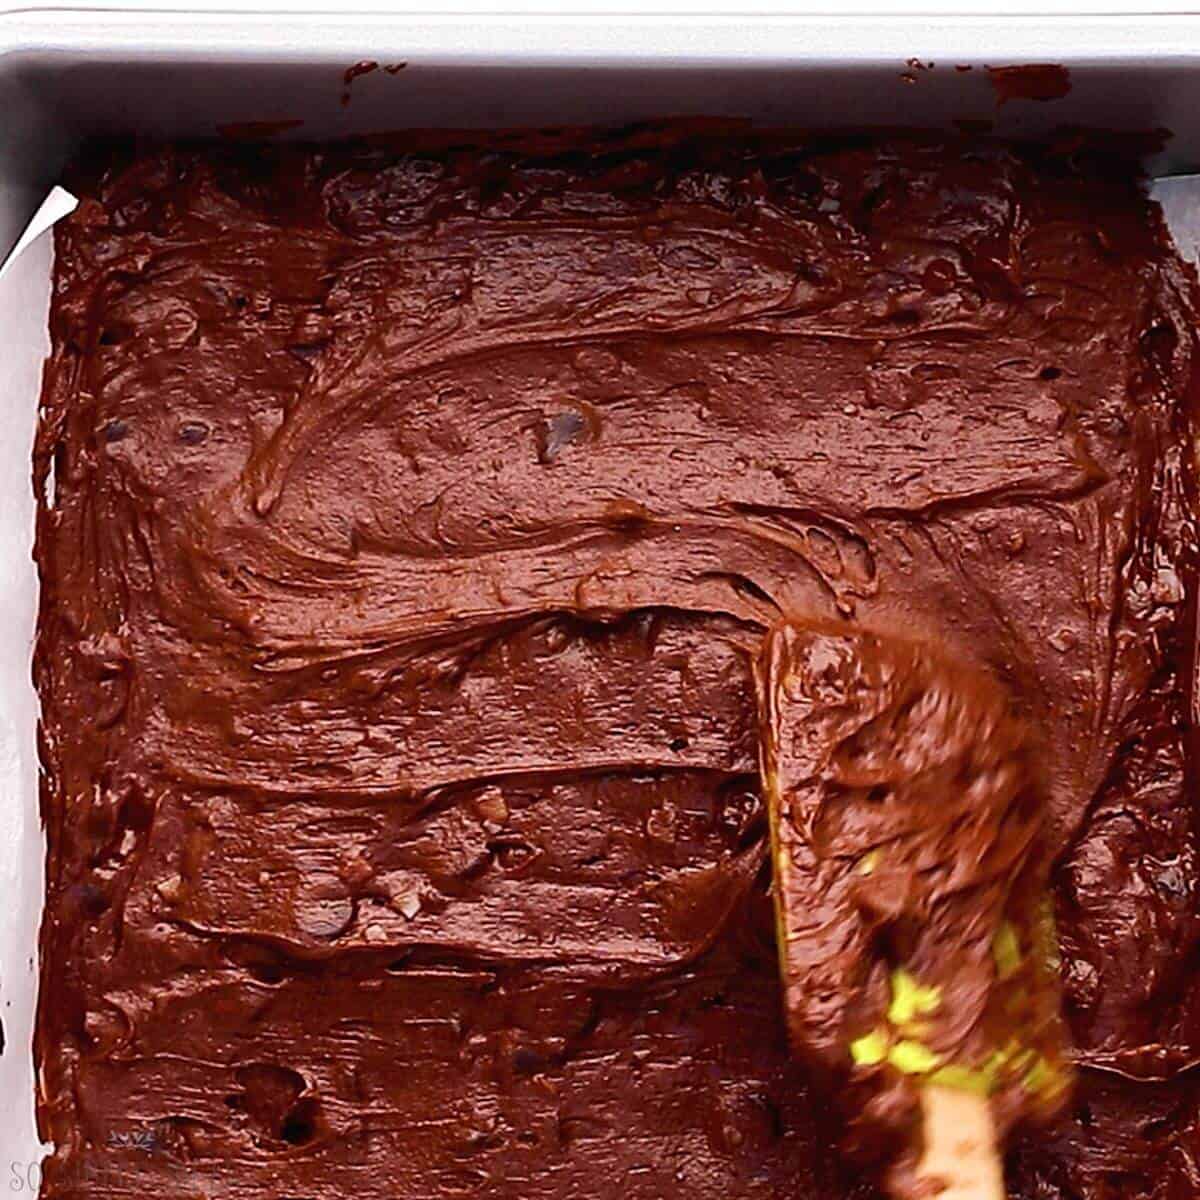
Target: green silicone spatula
909,886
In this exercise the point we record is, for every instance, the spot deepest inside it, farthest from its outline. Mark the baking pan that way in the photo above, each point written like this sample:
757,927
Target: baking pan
66,76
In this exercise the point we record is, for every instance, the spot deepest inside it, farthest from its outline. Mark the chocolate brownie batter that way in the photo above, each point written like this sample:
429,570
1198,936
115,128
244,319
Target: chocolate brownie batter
412,516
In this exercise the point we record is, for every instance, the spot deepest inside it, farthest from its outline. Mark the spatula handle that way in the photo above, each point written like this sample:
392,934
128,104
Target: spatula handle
960,1145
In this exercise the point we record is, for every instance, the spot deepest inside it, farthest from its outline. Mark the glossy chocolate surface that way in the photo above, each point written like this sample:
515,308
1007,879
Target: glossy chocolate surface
417,513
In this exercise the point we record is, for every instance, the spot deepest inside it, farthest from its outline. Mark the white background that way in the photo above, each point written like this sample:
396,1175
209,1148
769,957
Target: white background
600,7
